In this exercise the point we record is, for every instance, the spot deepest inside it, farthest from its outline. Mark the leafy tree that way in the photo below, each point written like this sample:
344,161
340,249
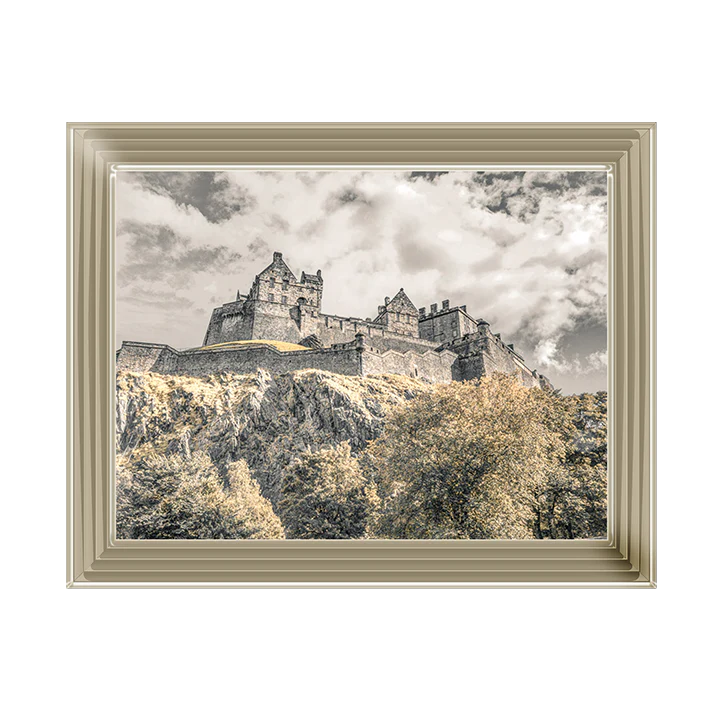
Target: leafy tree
588,414
572,502
323,495
465,460
183,497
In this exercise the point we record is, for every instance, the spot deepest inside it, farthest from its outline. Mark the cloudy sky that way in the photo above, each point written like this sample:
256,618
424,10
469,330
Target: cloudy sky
527,251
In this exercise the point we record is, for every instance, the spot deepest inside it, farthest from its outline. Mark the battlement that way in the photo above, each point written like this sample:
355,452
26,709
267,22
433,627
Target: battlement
445,324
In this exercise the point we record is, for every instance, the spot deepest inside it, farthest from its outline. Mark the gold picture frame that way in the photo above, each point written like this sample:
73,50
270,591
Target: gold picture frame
625,559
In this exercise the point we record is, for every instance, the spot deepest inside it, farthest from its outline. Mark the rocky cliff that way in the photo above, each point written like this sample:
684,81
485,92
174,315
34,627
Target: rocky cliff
267,421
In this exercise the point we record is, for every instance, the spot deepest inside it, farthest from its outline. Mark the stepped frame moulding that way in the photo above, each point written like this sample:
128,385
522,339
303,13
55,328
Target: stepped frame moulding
95,558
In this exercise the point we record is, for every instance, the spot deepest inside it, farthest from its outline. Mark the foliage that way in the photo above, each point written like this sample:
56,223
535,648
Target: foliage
323,495
459,461
482,459
574,502
182,496
489,459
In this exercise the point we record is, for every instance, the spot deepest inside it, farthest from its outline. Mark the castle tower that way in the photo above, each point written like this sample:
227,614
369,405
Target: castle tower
444,325
278,307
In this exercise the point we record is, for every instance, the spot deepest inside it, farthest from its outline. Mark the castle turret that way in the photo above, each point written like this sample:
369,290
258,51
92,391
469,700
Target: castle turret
444,325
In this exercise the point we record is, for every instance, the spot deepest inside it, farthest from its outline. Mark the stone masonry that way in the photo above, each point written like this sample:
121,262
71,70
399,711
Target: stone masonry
441,345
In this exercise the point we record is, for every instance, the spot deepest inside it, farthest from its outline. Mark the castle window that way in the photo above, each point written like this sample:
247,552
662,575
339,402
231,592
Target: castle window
341,324
397,315
285,286
272,282
271,297
284,300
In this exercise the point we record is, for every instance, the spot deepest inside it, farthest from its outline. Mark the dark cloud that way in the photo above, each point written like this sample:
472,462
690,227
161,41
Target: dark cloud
431,176
487,178
157,253
520,193
210,193
589,335
258,248
349,194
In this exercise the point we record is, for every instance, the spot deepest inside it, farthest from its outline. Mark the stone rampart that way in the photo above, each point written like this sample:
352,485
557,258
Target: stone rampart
137,356
431,366
352,358
249,359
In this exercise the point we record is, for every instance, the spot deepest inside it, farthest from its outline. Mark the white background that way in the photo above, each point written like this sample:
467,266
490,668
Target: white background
347,655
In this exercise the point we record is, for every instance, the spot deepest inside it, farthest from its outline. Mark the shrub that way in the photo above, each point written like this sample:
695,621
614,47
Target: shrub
183,497
323,495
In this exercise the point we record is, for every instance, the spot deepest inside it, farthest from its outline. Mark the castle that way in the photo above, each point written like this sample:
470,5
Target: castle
279,326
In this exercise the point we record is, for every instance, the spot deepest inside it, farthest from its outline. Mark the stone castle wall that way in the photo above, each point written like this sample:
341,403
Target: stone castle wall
249,360
136,356
430,366
337,330
353,358
229,321
483,353
273,321
443,325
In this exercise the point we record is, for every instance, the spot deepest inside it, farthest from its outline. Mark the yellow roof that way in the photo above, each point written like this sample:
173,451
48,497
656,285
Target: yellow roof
278,345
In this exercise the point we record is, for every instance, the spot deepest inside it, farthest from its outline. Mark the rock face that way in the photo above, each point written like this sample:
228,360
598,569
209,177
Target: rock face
267,421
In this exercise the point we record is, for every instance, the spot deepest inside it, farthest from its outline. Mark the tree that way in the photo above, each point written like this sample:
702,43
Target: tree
589,413
323,495
573,502
465,460
183,497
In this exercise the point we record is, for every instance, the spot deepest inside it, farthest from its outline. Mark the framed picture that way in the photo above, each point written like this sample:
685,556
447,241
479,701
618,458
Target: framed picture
361,355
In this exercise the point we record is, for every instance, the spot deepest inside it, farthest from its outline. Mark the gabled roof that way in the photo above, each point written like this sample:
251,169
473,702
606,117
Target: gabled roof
401,302
279,266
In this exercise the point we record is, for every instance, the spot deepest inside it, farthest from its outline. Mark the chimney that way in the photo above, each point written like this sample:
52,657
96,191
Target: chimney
482,326
386,301
464,308
422,312
445,304
433,309
277,255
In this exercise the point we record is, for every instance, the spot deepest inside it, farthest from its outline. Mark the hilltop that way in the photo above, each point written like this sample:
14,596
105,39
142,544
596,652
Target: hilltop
265,420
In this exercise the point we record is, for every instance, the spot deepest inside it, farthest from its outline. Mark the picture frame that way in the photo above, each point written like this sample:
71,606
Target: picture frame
95,151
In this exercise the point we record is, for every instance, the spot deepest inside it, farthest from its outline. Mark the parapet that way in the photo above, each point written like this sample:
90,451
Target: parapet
435,309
